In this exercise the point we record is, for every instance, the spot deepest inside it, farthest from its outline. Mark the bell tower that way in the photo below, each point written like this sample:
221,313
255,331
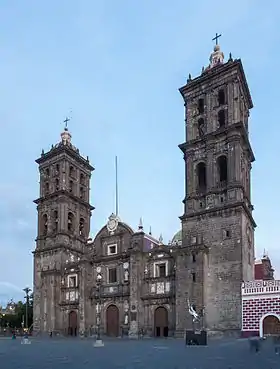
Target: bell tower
217,224
64,214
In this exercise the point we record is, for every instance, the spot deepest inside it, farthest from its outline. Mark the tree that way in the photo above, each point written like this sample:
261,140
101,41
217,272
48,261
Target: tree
15,319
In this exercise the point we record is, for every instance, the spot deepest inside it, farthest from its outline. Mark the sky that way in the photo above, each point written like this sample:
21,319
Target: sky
117,66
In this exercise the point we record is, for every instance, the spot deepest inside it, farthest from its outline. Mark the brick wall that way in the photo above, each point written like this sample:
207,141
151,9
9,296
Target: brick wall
255,308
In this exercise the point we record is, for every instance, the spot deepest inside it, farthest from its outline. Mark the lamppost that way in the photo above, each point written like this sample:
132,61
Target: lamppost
98,342
26,290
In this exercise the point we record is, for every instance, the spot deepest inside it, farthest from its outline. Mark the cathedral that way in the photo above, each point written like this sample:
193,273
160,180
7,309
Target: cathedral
124,281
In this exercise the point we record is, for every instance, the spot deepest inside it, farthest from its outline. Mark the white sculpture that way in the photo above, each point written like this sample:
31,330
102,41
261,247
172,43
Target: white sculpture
196,317
126,275
126,319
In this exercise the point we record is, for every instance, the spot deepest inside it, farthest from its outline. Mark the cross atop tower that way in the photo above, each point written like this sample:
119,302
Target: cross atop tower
216,38
66,120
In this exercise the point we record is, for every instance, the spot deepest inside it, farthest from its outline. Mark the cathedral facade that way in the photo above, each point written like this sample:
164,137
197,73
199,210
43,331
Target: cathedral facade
124,280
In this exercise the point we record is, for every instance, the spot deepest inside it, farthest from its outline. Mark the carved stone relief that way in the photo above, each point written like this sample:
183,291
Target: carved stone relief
209,201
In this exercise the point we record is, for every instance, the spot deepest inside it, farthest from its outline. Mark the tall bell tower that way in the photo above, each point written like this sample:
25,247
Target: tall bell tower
217,224
64,215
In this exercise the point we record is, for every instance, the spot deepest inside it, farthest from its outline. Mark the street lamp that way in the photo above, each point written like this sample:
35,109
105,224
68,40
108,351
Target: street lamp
26,290
98,342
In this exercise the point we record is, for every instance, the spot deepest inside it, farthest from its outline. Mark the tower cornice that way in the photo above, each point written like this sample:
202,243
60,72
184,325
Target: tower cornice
218,210
64,196
59,149
216,74
212,136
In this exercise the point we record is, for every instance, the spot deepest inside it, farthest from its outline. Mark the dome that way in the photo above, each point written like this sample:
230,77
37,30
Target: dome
177,238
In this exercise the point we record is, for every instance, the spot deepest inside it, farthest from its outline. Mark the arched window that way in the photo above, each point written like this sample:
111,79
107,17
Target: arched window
221,97
82,193
222,169
201,177
57,168
71,185
47,172
44,224
55,220
201,127
47,188
201,106
82,227
221,118
82,179
70,224
71,171
56,184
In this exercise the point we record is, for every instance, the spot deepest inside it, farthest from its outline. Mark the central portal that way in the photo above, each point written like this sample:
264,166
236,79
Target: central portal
73,323
161,322
112,318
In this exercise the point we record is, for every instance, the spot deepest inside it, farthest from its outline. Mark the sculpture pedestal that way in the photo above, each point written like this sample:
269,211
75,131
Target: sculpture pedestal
133,331
196,338
25,341
98,343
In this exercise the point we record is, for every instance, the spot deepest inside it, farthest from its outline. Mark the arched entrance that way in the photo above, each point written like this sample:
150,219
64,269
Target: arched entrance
161,322
73,323
271,325
112,319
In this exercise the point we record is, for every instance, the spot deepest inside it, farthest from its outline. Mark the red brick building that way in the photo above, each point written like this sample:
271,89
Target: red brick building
263,269
260,308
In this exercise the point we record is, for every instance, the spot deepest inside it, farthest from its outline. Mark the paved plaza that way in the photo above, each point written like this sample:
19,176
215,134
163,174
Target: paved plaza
125,354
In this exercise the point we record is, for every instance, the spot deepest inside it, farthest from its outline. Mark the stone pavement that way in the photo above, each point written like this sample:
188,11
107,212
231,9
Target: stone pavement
124,354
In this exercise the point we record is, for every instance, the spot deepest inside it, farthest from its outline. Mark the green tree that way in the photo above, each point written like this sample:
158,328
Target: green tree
15,320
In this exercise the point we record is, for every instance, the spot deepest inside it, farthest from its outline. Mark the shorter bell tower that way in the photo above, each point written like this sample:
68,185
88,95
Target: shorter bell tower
64,214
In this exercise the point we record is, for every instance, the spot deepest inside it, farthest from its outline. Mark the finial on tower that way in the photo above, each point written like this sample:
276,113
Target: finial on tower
140,226
150,231
65,135
160,240
217,56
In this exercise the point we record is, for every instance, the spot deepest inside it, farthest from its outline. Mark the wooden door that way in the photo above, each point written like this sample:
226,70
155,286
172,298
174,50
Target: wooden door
73,323
271,326
112,319
161,322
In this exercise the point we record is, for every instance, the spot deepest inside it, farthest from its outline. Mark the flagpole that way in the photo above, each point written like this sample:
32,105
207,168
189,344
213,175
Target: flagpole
117,190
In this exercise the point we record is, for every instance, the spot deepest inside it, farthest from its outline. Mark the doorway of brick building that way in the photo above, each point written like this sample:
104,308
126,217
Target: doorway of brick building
271,326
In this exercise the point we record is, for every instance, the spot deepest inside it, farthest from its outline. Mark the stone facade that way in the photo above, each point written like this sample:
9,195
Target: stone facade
260,308
145,285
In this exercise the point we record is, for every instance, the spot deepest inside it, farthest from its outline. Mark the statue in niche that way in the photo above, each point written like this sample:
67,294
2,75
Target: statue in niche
126,319
201,127
126,275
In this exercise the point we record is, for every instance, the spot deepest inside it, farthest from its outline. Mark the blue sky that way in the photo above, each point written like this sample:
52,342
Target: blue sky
118,66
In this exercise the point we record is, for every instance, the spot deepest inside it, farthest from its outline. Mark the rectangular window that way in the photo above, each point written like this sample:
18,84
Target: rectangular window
112,249
112,275
72,281
193,277
160,269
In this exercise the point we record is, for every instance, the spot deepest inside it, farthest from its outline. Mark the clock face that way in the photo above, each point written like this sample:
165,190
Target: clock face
112,223
98,269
